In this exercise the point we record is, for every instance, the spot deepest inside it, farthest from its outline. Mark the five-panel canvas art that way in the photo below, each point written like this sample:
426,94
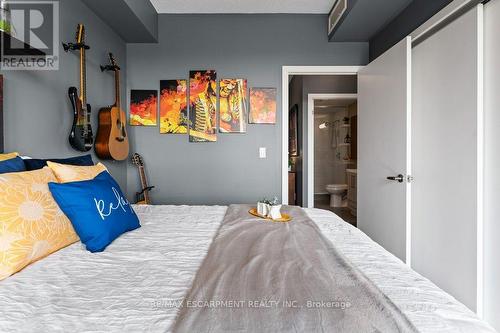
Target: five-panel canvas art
190,106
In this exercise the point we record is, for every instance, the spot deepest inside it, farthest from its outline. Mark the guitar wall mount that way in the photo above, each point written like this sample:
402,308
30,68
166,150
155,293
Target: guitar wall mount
74,46
108,68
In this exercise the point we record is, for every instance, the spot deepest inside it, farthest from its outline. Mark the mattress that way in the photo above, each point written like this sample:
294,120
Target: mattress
137,284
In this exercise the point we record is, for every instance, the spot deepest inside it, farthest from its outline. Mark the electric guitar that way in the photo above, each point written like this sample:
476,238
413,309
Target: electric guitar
112,139
80,137
142,198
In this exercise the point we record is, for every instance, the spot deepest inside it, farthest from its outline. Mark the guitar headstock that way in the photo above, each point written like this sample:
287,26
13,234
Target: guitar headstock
113,64
79,38
112,59
137,160
80,34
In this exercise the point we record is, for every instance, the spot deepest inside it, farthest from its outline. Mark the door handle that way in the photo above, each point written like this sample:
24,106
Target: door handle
399,178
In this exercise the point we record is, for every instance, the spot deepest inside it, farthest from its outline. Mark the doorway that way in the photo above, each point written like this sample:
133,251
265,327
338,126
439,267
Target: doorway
295,158
332,132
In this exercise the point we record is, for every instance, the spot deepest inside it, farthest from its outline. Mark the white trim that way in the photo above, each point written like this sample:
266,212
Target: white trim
480,162
300,70
310,139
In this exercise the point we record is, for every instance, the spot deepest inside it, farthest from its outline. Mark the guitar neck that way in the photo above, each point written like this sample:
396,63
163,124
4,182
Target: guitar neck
117,89
83,79
144,183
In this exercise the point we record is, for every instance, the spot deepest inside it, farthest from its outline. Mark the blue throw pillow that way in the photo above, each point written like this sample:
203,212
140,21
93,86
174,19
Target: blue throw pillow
97,208
15,164
35,164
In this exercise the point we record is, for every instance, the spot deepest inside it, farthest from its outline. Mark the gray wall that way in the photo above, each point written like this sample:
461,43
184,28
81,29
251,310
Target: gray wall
254,47
37,111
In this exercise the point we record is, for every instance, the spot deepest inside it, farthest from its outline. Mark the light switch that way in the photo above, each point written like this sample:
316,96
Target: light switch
262,152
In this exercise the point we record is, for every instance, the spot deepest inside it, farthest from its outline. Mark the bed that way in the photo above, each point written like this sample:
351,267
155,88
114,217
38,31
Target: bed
137,283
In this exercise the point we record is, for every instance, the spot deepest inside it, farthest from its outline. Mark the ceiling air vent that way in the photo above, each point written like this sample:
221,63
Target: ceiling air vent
336,14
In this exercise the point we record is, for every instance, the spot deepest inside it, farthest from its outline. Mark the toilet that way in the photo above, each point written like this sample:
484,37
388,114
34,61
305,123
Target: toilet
338,194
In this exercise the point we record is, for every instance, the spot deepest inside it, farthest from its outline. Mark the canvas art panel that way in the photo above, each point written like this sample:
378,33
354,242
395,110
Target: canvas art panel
173,107
233,103
202,106
143,107
262,106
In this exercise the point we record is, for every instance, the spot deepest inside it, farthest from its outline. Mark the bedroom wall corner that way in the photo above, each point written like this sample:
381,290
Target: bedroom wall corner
37,111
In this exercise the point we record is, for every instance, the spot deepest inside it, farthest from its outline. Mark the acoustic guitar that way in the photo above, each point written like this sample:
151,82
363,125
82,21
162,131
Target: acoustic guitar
142,197
112,139
80,137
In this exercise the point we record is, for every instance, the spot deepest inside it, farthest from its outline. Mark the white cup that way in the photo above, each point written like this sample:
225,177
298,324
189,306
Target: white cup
262,208
275,212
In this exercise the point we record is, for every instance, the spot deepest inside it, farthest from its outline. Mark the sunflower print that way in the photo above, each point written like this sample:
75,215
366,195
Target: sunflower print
32,224
72,173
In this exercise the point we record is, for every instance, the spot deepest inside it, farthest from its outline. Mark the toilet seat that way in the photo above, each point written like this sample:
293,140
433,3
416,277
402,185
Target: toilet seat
337,187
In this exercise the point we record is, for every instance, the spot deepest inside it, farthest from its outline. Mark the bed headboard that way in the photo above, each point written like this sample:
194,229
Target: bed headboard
1,113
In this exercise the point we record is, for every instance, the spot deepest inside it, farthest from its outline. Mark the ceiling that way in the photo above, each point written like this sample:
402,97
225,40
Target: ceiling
366,18
243,6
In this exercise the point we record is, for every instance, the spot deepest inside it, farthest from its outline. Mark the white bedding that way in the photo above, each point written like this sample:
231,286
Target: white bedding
133,285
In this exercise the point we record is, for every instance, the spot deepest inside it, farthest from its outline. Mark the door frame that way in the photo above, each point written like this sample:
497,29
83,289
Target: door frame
310,139
286,71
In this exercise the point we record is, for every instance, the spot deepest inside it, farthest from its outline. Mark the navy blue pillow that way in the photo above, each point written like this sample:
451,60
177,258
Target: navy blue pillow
97,208
15,164
35,164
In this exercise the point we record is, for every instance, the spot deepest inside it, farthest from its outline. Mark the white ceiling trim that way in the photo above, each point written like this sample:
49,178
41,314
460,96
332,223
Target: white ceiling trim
243,6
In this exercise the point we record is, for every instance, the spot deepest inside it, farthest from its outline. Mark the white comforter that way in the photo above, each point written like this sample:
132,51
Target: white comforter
135,285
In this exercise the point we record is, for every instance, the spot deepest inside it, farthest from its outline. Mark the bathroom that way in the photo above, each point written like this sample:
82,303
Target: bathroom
335,154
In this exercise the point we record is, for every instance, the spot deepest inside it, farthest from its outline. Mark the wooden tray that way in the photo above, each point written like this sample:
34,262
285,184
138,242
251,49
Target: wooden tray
284,217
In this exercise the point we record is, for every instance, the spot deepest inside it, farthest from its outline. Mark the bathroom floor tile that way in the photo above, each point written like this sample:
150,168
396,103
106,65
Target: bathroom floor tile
322,201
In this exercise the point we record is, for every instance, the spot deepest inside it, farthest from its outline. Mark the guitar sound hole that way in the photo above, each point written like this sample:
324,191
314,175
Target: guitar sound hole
121,127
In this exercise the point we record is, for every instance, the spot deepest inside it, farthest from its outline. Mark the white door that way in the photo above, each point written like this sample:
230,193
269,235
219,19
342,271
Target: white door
447,157
384,109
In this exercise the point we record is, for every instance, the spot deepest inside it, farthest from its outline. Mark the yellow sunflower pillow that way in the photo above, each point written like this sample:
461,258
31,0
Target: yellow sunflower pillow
71,173
8,156
32,225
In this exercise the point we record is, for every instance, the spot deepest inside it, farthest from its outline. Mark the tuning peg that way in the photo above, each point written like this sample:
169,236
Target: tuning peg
103,68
